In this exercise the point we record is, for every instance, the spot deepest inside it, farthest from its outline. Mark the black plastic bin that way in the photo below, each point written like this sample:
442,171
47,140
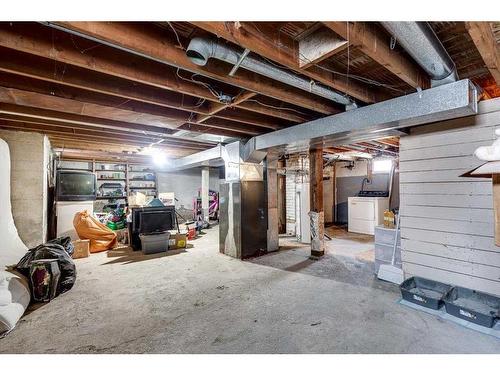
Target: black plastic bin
424,292
473,306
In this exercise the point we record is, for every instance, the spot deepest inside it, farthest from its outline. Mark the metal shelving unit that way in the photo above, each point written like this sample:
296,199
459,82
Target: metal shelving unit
131,176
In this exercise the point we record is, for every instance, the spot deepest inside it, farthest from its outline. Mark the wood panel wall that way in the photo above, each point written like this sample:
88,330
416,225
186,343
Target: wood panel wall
447,220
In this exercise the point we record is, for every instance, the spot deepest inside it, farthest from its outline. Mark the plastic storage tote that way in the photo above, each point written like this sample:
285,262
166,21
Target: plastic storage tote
424,292
154,243
473,306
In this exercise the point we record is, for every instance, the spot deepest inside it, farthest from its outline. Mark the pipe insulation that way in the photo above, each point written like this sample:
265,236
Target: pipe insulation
200,50
422,43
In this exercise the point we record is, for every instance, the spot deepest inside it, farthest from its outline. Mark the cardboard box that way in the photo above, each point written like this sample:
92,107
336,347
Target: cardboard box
82,249
177,241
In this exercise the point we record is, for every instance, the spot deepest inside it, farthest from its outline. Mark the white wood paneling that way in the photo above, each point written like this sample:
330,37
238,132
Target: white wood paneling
447,225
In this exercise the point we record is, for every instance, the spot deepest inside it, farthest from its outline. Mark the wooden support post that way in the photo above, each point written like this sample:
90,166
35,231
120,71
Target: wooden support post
496,206
316,202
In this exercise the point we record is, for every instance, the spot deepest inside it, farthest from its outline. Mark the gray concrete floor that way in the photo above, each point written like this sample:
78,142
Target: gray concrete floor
199,301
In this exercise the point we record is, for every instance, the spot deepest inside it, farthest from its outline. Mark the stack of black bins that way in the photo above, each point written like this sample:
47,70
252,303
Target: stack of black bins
473,306
424,292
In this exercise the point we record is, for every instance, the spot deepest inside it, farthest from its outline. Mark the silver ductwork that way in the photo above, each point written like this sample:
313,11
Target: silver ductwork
457,99
200,50
421,43
388,118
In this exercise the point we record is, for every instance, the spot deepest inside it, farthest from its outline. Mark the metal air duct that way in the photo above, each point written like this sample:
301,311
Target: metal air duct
420,41
200,50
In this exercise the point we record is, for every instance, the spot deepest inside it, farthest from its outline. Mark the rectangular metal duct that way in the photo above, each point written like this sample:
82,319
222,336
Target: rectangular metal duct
457,99
207,158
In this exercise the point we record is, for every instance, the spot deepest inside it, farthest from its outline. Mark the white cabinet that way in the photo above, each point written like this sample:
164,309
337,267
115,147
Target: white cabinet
365,213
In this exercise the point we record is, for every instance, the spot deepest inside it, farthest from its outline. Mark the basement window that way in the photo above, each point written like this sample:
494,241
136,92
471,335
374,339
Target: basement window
382,165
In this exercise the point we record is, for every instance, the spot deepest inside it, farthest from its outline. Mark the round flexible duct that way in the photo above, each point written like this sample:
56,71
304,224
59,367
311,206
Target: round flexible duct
200,50
420,41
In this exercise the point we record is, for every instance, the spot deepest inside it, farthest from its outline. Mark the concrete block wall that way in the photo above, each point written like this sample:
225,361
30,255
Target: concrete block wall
29,157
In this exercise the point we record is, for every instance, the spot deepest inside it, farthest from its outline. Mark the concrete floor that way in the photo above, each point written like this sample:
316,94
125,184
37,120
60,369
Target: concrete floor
199,301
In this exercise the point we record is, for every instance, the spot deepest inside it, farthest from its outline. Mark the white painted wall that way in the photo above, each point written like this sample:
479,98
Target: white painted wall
447,225
185,185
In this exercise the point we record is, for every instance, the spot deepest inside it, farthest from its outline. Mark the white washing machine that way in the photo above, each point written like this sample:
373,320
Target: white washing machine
365,213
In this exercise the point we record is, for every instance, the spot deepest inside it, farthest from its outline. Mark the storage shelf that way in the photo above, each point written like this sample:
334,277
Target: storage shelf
117,197
112,179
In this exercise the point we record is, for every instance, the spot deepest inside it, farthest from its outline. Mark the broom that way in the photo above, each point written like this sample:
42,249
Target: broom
389,272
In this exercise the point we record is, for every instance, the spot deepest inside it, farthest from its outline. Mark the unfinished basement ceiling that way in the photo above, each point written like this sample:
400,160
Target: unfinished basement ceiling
102,89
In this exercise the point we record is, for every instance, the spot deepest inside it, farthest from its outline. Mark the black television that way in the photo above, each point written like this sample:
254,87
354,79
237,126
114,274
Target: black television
75,186
147,220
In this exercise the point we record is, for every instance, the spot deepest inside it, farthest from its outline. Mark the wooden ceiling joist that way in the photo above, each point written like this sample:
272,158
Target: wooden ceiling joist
365,36
35,67
47,102
37,100
78,134
144,80
319,45
215,108
271,47
484,39
47,114
41,124
155,44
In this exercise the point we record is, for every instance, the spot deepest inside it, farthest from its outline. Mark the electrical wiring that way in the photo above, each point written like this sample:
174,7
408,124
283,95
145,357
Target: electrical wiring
206,85
275,107
176,35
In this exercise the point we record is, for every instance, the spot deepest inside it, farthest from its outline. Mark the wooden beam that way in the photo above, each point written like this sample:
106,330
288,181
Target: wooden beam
273,48
319,45
35,67
74,107
66,51
316,201
34,99
153,43
274,111
62,48
215,108
365,36
78,134
482,36
74,128
46,114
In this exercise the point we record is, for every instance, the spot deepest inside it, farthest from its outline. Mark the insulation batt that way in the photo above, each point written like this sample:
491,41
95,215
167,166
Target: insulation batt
490,153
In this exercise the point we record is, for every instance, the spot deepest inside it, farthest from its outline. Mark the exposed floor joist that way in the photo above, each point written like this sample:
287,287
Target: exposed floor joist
482,36
145,41
248,37
365,36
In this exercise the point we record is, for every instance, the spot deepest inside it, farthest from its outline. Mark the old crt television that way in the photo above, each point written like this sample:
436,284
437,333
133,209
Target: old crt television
75,186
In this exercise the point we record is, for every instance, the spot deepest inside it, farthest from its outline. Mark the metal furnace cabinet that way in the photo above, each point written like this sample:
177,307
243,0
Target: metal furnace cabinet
243,219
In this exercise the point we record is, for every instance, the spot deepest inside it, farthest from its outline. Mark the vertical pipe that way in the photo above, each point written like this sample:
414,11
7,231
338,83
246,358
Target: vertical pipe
205,183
